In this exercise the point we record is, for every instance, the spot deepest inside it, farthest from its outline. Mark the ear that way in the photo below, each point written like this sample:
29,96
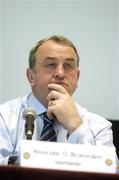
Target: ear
30,76
78,73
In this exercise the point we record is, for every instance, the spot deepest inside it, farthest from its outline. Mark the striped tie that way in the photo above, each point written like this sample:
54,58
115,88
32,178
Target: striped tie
48,132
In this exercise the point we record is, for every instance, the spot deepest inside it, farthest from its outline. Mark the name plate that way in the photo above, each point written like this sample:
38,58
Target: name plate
64,156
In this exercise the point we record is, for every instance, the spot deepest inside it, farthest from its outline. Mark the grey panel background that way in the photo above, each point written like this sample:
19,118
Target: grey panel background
93,26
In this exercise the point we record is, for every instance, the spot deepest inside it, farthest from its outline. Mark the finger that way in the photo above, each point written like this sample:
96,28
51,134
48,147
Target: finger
57,87
50,113
51,103
53,95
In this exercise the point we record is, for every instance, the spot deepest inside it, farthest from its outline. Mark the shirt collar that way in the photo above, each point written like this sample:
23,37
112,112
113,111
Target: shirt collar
32,102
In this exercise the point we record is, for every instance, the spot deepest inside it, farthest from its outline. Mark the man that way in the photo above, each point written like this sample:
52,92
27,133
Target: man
53,74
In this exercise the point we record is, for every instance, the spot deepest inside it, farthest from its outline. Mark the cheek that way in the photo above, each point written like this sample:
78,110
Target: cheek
41,82
73,80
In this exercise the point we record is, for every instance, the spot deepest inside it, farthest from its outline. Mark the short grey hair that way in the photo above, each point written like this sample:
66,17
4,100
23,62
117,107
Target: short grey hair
56,38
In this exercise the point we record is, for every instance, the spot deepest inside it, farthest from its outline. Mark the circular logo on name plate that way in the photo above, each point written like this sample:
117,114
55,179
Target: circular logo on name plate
108,162
26,155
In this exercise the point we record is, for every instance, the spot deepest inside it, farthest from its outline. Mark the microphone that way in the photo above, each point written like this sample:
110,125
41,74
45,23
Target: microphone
29,115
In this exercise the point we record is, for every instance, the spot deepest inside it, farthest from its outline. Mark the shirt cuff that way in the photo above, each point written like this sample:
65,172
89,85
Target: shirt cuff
82,134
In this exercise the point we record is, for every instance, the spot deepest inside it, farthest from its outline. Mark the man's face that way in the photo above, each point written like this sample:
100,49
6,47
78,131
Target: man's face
55,63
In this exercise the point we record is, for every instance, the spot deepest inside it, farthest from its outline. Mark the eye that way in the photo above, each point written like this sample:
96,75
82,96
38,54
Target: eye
50,65
69,66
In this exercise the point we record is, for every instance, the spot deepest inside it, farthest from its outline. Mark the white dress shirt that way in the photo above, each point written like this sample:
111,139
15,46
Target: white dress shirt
95,130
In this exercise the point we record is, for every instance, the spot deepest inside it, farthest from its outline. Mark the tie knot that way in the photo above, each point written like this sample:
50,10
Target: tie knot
47,120
48,132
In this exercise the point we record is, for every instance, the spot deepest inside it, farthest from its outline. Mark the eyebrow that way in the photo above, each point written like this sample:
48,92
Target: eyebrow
50,58
53,58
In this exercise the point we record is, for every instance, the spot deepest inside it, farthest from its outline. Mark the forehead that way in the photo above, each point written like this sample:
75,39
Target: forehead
54,49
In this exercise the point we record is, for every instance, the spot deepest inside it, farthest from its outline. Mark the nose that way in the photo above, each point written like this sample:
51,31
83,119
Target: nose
59,72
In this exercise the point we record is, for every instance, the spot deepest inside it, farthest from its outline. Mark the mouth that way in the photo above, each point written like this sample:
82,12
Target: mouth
62,84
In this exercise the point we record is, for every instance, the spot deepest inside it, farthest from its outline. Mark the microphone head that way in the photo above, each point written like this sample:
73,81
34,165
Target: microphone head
29,111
